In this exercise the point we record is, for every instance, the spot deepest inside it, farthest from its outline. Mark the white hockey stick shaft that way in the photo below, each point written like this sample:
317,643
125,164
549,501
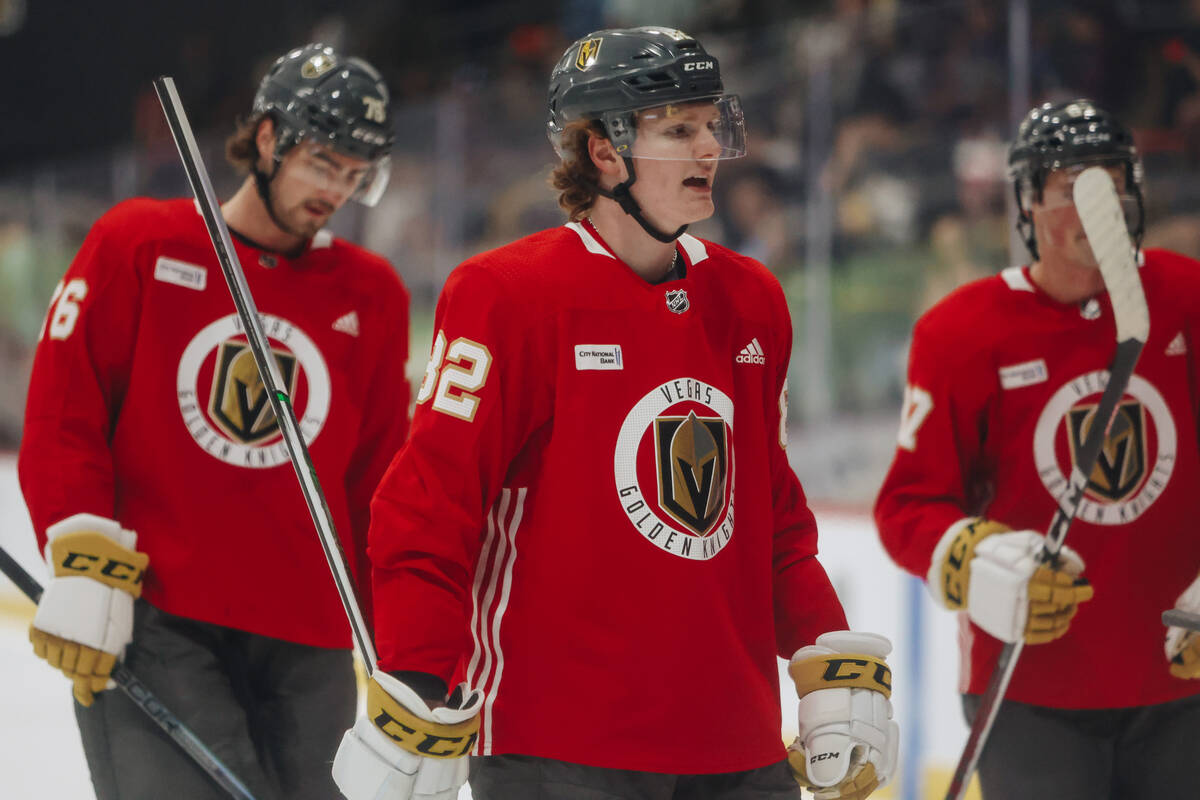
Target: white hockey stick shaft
1104,223
268,369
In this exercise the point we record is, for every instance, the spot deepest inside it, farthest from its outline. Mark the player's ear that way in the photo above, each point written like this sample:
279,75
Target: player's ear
610,165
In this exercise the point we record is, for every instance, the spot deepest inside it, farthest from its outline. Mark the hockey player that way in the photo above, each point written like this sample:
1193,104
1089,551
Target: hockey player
594,525
154,469
1004,377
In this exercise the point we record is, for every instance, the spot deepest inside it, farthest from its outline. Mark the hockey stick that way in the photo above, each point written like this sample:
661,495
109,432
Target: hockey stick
1181,619
268,369
143,698
1104,223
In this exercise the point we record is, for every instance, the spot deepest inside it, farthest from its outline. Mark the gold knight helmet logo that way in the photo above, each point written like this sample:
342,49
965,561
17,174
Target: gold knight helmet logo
239,404
589,51
1121,465
317,65
692,469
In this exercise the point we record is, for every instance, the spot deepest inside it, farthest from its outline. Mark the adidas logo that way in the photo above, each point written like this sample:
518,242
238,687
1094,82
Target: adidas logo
1178,345
347,323
751,354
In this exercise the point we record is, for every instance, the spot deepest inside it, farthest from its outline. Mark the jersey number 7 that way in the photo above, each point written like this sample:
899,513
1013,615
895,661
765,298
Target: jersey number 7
917,405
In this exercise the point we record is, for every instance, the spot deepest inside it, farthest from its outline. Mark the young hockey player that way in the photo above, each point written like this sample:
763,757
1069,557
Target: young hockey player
1004,378
154,469
594,525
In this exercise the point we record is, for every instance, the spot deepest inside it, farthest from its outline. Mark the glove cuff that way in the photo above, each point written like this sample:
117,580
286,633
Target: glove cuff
414,731
85,545
840,671
950,567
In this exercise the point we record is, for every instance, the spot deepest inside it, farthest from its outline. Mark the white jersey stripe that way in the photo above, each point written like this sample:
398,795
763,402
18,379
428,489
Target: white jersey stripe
490,595
481,570
510,532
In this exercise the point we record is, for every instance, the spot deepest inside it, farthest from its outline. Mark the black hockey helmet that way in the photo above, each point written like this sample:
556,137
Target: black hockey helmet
1077,133
610,75
315,94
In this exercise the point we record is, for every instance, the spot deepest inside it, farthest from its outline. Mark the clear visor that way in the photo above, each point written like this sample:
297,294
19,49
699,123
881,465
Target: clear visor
329,171
707,130
1059,192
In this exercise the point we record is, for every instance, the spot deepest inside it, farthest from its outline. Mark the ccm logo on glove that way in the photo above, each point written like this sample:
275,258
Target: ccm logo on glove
98,557
849,670
416,735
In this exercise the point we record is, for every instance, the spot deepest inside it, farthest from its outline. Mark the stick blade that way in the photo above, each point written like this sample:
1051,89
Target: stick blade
1104,223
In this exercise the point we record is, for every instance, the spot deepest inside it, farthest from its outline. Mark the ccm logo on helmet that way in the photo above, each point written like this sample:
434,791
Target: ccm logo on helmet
695,66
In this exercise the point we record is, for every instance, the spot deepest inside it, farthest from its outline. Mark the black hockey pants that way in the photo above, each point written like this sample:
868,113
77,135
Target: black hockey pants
274,712
524,777
1140,753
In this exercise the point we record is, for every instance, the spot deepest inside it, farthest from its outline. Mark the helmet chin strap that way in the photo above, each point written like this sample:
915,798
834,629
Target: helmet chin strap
624,198
262,183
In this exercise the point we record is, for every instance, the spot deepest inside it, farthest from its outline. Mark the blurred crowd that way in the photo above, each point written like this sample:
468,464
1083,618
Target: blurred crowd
895,113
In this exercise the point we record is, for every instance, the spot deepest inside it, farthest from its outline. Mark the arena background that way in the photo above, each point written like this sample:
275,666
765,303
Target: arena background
875,183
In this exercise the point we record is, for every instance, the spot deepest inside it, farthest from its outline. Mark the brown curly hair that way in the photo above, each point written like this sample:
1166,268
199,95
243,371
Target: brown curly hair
241,149
576,177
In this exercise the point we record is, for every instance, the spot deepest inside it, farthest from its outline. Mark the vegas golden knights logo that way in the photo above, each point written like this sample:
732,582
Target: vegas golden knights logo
239,404
692,468
1122,463
317,65
589,51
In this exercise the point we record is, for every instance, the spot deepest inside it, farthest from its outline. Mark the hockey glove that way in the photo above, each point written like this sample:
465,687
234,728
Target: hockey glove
848,744
403,750
994,573
1182,645
85,617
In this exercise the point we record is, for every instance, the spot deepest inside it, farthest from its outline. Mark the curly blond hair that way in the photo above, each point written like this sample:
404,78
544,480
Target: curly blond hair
576,178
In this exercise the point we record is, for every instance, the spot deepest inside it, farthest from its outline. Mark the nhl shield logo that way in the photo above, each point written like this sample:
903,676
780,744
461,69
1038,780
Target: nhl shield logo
677,300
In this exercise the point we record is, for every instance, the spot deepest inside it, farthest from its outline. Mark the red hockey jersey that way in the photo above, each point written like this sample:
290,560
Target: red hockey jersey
1002,385
145,406
594,520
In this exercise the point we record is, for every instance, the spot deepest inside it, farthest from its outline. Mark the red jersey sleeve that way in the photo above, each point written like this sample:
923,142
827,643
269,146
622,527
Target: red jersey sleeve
384,428
805,603
481,398
80,374
936,473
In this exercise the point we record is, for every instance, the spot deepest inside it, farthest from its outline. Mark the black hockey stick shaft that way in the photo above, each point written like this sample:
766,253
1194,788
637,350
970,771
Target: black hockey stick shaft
1104,223
1181,619
144,699
268,369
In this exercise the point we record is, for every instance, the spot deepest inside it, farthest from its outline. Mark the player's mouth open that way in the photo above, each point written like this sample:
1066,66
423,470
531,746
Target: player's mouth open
697,182
318,209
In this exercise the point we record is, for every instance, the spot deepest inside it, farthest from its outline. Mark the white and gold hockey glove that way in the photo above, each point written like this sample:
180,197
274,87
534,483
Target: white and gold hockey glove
848,743
994,573
1183,646
85,616
402,749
